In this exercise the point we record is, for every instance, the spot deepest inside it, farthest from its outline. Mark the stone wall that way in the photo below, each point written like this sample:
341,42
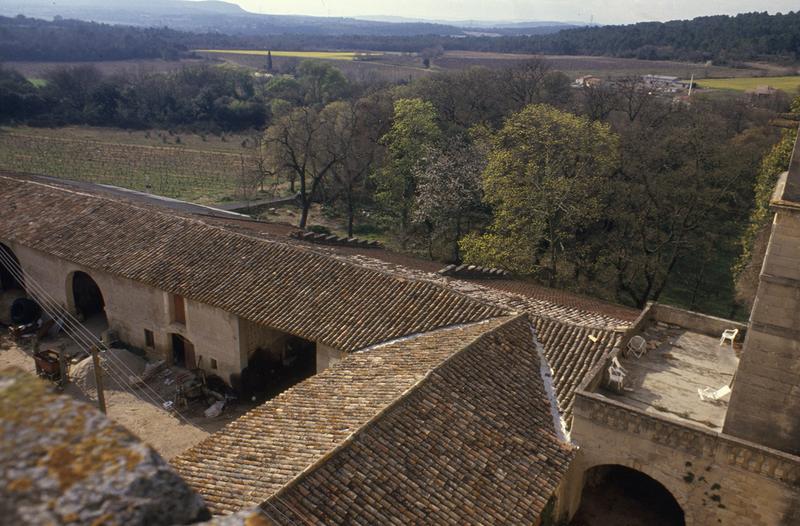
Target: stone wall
765,402
715,478
695,321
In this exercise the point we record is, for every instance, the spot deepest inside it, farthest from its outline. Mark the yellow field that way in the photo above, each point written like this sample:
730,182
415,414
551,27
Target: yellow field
787,84
329,55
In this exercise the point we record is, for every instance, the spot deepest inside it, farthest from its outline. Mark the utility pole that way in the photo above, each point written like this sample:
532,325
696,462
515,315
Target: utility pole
62,367
98,379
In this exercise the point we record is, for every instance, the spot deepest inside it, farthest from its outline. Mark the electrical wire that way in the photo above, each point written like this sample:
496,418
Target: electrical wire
80,334
76,331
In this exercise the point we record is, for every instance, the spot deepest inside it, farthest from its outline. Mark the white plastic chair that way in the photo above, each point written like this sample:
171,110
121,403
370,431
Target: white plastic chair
638,346
709,394
728,334
618,366
615,376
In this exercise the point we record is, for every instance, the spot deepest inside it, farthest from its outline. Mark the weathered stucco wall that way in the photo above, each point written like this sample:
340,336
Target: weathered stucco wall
326,356
253,336
214,334
132,307
716,479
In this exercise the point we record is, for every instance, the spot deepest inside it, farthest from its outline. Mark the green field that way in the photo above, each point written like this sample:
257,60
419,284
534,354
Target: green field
787,84
328,55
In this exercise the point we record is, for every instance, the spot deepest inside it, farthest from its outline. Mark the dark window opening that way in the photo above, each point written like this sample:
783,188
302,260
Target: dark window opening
149,340
213,363
10,270
182,352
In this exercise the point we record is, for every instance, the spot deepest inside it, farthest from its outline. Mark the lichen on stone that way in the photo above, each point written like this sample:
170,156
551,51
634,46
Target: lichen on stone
63,462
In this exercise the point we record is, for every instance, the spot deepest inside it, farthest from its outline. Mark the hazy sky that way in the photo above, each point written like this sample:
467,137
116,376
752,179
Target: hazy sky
604,11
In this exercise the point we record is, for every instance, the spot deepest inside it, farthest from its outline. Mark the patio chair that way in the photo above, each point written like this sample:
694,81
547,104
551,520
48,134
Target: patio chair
618,366
615,377
709,394
638,346
728,334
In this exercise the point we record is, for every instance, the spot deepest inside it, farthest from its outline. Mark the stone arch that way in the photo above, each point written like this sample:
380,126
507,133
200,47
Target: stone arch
10,270
84,297
658,492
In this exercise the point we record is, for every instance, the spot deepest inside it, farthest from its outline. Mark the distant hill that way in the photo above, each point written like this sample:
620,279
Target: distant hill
227,18
721,39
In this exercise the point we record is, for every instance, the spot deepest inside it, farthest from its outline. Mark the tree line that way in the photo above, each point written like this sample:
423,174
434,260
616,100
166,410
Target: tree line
31,39
200,98
722,39
611,190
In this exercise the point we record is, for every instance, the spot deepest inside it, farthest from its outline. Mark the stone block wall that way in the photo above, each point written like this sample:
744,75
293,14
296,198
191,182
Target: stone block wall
716,479
765,402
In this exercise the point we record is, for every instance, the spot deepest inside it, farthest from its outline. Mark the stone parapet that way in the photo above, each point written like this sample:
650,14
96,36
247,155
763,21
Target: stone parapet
689,438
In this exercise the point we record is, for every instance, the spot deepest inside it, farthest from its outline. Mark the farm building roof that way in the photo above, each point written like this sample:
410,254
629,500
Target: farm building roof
351,299
472,443
285,286
454,426
555,303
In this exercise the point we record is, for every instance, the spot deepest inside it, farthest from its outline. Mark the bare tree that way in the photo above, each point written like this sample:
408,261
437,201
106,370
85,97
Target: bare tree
353,132
524,83
633,96
599,100
449,192
295,145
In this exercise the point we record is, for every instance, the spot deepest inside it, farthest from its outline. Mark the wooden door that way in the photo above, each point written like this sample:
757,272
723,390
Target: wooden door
188,350
178,309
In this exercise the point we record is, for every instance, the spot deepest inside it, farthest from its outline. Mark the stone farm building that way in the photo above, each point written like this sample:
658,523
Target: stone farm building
419,396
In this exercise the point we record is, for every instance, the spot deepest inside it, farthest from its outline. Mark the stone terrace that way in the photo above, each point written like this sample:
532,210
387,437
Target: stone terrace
666,379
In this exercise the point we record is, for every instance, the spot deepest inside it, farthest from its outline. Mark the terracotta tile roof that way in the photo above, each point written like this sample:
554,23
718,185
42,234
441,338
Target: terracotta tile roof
253,457
571,351
508,300
562,304
349,301
473,443
282,285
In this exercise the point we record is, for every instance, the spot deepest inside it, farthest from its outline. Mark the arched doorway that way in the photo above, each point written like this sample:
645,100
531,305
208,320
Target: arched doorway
614,494
10,271
87,301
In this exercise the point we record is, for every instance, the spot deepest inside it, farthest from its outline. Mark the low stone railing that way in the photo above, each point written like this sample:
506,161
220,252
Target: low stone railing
695,321
689,438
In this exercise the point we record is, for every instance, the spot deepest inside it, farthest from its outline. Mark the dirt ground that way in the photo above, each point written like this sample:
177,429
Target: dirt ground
166,432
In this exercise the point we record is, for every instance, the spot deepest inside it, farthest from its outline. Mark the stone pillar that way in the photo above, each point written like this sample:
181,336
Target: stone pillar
765,402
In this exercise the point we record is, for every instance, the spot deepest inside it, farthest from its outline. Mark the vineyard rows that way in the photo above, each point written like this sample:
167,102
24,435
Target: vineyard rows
193,175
